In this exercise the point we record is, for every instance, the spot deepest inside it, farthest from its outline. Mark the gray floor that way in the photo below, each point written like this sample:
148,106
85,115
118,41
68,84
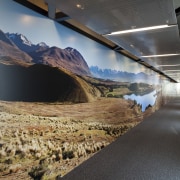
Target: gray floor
150,151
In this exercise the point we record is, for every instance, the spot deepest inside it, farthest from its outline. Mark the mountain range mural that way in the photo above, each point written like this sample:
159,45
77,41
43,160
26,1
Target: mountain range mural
68,59
56,111
21,51
56,68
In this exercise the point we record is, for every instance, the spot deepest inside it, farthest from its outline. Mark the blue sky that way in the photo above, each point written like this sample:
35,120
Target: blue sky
15,18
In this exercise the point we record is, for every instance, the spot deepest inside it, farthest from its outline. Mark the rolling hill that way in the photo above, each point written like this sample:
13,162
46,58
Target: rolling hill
42,83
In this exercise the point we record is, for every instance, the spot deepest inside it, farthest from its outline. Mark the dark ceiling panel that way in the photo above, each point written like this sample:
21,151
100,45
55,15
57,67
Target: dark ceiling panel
104,16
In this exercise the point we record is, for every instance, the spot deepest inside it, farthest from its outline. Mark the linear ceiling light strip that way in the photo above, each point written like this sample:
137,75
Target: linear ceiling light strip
141,29
172,71
160,55
168,65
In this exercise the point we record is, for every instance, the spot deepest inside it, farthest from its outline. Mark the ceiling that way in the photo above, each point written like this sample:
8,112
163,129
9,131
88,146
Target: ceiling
97,19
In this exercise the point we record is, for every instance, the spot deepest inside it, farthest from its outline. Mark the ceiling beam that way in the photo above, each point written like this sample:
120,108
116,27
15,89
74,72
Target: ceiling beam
51,11
32,7
60,16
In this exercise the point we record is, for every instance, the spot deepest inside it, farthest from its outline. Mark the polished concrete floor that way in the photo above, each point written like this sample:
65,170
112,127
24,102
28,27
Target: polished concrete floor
150,151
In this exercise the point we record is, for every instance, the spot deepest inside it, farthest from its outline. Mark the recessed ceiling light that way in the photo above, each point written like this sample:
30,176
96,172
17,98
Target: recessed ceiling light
140,29
79,6
168,65
172,71
160,55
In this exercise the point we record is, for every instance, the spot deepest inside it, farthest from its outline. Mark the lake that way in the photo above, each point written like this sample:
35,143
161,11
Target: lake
144,100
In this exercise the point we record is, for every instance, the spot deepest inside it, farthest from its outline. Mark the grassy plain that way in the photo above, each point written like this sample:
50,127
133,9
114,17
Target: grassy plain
45,140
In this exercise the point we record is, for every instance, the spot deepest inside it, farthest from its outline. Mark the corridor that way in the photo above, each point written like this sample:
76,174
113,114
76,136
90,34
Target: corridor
150,151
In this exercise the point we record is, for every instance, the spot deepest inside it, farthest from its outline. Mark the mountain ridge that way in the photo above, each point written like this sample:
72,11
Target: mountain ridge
117,75
10,53
68,58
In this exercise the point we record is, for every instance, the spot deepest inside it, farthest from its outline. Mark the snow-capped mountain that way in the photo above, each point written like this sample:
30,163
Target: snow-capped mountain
10,53
19,37
42,44
23,43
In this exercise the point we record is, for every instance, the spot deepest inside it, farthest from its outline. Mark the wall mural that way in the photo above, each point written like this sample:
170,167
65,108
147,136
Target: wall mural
63,97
